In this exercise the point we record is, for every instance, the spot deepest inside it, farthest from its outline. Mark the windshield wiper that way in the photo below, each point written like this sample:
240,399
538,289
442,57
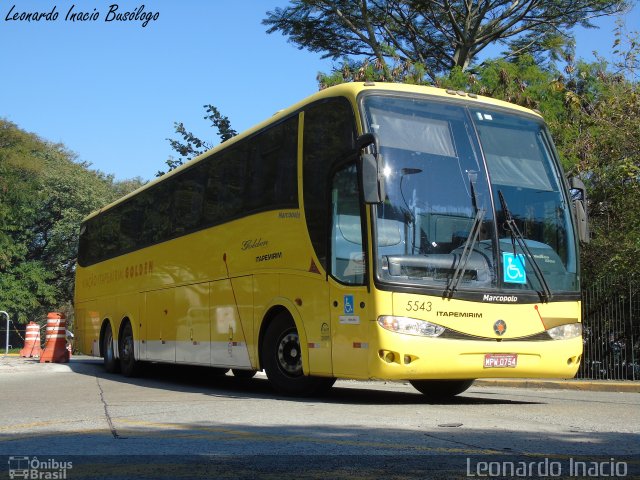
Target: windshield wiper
472,238
516,236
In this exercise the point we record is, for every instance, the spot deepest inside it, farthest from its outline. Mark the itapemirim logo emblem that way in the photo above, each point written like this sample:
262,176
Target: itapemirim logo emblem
500,327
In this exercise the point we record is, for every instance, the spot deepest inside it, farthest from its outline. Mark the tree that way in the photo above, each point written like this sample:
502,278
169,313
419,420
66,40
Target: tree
436,34
24,285
191,146
605,147
44,194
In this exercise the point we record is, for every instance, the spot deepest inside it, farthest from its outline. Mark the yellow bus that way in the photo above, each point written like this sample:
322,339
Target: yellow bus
371,231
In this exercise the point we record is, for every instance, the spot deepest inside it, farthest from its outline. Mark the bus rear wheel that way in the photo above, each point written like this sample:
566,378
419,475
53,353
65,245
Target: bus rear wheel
441,389
128,363
282,360
110,361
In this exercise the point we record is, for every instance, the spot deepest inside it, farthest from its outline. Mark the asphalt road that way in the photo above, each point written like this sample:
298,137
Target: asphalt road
183,423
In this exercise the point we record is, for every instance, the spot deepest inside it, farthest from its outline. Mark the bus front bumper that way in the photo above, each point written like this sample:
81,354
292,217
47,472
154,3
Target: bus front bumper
395,356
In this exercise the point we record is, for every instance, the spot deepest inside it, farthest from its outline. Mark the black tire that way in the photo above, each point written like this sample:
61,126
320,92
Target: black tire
111,364
128,364
244,374
441,390
282,360
217,371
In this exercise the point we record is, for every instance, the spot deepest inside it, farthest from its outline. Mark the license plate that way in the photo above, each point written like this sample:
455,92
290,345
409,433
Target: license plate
500,360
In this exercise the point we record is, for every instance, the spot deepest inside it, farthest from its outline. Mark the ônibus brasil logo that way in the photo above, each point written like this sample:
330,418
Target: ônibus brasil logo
33,468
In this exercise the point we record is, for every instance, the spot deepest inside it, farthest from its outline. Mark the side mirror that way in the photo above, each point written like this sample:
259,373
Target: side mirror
578,193
366,139
370,169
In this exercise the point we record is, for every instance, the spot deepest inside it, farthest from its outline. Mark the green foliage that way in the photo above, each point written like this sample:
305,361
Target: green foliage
222,123
604,143
367,71
438,36
520,81
191,146
45,194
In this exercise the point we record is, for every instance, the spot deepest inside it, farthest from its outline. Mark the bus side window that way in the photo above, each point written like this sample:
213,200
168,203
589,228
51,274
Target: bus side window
347,253
272,180
224,187
131,221
156,204
188,200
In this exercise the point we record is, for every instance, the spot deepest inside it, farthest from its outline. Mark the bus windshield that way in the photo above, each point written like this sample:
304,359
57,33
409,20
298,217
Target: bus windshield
453,177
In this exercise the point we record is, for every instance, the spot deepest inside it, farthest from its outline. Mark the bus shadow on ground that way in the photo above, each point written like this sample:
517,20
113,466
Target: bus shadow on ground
209,382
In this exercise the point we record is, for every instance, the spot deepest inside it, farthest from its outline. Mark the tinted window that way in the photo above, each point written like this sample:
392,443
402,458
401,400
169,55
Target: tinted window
272,177
258,173
329,133
188,195
156,205
131,221
226,174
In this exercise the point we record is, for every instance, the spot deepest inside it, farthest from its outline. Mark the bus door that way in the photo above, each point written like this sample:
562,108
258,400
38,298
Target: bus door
348,294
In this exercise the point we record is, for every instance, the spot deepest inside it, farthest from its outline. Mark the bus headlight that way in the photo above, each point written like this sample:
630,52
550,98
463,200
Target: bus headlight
410,326
565,332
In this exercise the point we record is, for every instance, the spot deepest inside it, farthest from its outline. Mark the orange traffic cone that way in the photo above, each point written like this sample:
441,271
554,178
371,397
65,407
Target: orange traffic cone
55,349
32,341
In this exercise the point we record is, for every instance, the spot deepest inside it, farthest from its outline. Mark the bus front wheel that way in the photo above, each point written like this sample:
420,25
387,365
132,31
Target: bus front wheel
282,360
441,389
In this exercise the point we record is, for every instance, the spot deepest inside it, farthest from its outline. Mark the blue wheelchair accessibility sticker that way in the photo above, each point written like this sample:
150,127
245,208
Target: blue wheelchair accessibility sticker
348,304
513,268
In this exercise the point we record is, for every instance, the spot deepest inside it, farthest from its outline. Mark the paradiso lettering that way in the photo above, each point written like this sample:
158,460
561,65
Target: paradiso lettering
289,215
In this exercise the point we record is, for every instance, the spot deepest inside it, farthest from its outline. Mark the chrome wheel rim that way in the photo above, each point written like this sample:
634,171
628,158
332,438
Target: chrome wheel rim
289,354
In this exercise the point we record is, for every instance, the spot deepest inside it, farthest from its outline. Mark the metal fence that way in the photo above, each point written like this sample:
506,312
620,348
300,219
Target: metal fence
611,321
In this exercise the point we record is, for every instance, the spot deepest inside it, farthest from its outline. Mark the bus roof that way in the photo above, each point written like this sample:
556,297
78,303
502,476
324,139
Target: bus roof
349,90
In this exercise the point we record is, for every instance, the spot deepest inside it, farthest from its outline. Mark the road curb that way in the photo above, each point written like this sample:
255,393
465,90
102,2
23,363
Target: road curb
591,386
